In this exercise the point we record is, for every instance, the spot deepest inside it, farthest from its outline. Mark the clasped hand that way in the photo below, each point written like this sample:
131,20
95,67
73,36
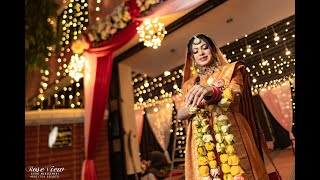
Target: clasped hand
196,94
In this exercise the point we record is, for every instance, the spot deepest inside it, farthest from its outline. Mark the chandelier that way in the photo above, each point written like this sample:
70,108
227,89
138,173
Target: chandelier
77,67
151,32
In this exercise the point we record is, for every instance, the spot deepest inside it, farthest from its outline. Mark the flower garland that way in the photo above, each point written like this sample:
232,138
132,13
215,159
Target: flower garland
208,167
119,19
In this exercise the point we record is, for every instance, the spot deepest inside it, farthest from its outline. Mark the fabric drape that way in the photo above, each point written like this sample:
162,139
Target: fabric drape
278,101
96,90
263,117
139,116
149,142
160,121
281,135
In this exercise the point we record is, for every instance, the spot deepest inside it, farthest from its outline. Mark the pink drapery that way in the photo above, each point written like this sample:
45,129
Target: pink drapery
160,121
139,114
96,90
279,102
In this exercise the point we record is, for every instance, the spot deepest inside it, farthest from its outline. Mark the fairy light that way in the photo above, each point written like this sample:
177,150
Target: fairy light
276,37
44,79
287,50
272,83
264,62
97,9
74,14
262,68
248,47
74,21
166,73
45,72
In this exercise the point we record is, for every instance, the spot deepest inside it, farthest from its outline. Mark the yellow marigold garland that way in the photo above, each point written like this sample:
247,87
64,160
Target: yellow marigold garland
206,158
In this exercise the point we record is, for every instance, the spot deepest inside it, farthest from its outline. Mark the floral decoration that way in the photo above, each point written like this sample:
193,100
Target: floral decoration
223,140
120,18
78,46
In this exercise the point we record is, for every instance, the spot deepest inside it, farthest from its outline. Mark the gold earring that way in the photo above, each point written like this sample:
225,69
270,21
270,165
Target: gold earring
195,65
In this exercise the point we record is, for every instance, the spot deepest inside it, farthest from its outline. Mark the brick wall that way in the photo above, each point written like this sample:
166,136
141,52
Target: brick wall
38,154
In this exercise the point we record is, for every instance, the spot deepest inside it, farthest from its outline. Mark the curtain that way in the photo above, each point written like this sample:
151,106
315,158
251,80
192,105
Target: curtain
278,101
281,136
139,116
160,121
149,142
263,117
96,90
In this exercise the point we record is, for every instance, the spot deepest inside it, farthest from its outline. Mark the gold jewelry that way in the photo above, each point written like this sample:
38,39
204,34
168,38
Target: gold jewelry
209,69
196,40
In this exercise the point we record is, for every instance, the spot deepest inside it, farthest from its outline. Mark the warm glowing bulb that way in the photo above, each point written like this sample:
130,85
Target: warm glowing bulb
166,73
249,49
287,52
146,84
254,80
276,37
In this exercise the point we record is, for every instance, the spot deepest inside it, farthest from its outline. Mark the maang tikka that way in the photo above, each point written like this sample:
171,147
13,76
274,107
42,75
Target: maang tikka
196,40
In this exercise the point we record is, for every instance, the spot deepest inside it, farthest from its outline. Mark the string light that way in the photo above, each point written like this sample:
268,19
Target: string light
264,62
280,66
287,50
276,37
74,21
97,9
249,50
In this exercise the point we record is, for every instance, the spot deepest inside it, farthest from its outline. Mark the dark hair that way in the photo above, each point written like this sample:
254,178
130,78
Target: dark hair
205,39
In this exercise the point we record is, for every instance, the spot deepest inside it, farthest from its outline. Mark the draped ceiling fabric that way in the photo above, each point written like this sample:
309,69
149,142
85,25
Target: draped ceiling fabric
160,121
278,101
139,114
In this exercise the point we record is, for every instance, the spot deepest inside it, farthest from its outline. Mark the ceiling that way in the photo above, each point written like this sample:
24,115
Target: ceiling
248,16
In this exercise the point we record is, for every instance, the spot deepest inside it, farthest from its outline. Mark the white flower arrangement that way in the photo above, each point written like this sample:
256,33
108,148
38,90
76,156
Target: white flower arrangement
119,19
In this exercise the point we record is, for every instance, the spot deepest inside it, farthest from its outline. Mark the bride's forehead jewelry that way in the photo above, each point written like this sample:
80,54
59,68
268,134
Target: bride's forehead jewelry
196,40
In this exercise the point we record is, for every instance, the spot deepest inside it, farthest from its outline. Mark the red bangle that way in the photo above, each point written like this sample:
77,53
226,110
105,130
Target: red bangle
216,93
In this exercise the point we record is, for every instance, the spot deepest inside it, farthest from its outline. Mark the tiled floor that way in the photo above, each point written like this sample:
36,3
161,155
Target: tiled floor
284,160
